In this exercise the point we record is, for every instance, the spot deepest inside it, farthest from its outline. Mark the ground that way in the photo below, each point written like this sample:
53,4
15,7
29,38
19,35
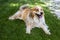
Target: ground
15,30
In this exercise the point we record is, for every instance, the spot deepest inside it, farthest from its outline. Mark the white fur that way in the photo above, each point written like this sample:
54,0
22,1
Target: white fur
37,23
31,23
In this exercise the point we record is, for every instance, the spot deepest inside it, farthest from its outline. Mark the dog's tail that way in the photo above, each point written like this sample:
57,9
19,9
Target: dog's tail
24,6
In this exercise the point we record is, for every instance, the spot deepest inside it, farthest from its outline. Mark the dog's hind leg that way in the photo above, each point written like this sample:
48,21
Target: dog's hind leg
15,16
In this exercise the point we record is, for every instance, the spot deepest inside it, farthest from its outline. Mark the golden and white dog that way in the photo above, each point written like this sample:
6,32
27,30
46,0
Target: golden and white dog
33,17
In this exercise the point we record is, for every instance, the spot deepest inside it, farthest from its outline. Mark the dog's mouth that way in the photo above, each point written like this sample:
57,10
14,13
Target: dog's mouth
39,15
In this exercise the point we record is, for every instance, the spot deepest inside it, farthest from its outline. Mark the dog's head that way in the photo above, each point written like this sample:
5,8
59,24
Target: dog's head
38,11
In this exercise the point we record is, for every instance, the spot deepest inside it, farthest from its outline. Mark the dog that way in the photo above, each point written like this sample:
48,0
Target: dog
33,17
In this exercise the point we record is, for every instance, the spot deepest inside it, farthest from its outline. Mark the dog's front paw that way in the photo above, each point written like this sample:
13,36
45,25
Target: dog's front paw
28,32
48,32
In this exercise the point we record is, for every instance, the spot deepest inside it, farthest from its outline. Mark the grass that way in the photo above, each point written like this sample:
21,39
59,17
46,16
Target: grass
15,30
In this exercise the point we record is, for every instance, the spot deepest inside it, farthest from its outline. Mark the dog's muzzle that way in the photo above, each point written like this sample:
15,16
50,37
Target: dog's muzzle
39,15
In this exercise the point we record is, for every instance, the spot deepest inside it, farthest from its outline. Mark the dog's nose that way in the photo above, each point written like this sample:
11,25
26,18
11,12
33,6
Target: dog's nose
41,13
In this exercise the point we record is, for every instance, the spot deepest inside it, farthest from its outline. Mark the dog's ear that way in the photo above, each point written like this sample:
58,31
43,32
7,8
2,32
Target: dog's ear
35,9
31,15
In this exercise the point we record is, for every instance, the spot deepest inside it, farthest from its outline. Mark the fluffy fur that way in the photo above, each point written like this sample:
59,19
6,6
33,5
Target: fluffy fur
33,17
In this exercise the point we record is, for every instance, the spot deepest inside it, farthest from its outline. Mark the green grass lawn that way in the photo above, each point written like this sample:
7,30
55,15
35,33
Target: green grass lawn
15,30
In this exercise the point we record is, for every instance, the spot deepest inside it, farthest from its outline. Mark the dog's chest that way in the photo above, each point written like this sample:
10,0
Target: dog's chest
37,21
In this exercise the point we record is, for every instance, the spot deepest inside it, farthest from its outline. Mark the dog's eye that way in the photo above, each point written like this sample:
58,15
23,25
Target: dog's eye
37,9
41,9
